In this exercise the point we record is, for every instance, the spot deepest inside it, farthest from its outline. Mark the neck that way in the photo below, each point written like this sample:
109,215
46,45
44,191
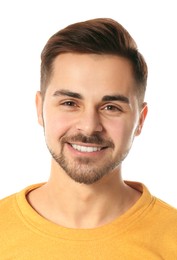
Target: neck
75,205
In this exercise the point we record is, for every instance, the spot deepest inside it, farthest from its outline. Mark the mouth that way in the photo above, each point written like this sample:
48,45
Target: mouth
86,149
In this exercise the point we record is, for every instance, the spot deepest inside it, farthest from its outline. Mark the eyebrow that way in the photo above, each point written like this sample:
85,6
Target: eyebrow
106,98
68,93
120,98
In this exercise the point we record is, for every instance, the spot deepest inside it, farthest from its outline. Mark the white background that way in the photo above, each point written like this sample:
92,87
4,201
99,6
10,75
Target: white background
25,26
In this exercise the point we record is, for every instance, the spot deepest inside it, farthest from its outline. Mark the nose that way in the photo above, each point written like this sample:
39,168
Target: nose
89,122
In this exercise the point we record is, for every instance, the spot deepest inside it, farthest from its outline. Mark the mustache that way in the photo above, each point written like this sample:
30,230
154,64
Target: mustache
93,139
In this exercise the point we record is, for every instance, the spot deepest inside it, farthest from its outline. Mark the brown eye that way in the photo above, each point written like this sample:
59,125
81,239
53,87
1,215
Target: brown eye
112,108
69,103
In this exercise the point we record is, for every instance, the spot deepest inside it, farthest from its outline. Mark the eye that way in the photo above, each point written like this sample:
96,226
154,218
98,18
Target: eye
69,103
112,108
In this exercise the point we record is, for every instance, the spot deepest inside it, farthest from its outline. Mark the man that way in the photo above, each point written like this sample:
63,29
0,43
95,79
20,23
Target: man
91,106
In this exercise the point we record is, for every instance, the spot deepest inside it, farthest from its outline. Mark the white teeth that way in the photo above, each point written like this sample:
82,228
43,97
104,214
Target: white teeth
85,149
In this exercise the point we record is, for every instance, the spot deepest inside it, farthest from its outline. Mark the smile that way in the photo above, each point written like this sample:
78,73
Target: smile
85,149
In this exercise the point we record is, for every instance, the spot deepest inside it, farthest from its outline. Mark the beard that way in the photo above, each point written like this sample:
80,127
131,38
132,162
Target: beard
86,170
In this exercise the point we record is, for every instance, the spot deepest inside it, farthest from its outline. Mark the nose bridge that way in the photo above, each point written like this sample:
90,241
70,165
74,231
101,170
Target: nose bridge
89,121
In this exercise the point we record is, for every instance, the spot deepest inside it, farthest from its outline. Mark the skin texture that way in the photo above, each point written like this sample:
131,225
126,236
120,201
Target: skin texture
90,116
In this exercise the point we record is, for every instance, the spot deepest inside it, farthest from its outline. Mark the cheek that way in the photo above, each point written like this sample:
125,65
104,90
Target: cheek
56,126
121,131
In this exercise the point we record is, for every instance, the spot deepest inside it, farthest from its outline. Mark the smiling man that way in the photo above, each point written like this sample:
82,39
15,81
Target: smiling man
91,106
90,114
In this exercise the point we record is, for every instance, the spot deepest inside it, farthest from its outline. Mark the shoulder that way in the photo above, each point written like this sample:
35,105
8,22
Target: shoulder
7,206
166,212
166,208
6,202
159,217
13,204
162,219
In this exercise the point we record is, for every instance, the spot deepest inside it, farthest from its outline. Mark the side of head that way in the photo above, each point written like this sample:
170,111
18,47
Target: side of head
98,36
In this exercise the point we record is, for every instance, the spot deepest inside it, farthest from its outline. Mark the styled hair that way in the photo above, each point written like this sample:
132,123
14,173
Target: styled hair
95,36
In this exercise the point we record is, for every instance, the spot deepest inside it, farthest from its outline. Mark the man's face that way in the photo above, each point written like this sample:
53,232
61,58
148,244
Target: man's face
90,114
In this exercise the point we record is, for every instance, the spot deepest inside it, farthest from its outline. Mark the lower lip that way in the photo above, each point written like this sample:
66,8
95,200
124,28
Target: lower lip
86,154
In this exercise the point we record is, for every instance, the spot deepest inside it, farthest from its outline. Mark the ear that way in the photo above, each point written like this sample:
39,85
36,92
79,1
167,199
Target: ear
39,108
142,118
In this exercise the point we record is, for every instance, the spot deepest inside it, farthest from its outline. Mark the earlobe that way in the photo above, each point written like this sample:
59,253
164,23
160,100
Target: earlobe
39,105
142,118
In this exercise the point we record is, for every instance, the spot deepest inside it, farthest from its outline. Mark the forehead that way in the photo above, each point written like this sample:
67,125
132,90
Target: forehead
92,73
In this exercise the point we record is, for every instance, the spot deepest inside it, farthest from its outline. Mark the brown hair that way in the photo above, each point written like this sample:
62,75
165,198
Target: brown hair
99,36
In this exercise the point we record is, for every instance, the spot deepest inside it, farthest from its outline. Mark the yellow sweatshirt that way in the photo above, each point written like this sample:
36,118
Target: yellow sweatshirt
146,231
